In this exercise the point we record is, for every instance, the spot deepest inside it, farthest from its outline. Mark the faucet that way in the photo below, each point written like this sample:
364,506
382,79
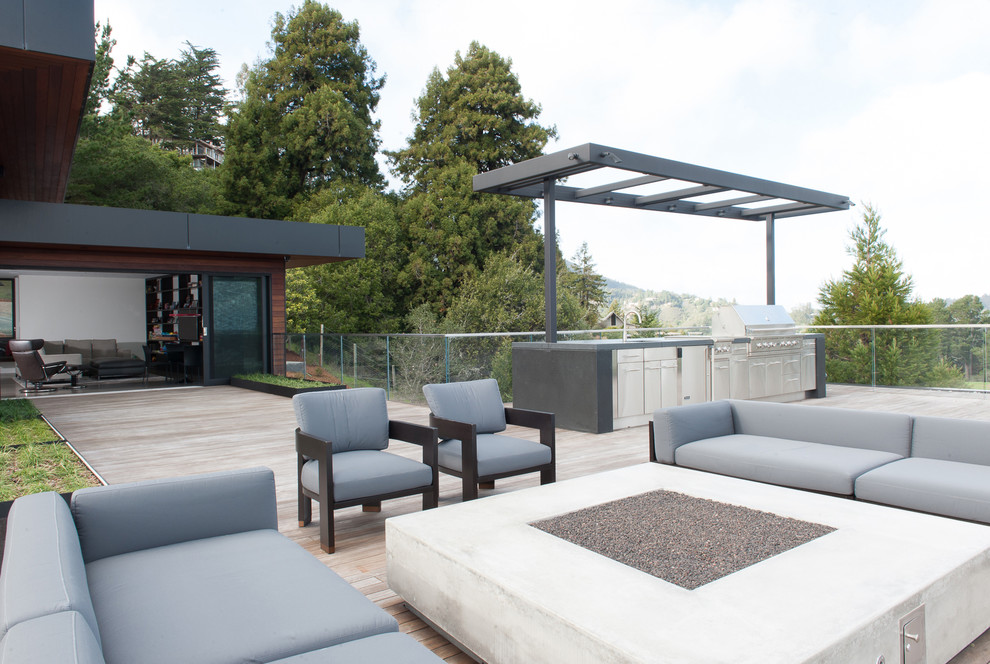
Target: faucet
625,321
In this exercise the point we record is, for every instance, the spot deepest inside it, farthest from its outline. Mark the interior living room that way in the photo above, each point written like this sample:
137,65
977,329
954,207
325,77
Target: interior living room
205,293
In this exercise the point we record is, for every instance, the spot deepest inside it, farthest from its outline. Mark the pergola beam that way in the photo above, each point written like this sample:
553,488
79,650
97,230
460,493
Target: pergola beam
538,178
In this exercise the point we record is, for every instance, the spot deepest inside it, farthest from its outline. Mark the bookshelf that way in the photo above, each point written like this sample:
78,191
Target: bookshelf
174,309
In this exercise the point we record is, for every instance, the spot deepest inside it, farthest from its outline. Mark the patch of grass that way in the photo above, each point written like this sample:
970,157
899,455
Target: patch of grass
13,410
29,462
284,381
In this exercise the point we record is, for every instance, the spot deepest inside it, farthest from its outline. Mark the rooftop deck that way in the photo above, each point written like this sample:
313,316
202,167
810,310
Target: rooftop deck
131,436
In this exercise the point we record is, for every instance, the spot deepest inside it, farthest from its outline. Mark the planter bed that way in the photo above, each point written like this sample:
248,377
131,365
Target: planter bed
282,390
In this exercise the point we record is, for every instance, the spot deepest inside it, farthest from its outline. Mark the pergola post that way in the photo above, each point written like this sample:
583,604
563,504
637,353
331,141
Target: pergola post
771,269
550,259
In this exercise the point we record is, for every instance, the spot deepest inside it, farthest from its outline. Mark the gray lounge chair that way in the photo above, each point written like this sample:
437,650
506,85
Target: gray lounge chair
342,462
470,417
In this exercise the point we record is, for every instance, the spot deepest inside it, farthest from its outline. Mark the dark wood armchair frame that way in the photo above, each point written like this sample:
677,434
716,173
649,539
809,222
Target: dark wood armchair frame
468,435
311,447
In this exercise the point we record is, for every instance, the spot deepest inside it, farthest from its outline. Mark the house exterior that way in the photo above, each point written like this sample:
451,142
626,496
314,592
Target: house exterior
83,271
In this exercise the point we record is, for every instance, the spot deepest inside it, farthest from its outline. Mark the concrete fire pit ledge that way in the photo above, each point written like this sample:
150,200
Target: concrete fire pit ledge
509,592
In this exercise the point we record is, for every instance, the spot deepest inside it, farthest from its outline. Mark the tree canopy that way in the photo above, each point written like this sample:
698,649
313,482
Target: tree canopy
306,119
876,291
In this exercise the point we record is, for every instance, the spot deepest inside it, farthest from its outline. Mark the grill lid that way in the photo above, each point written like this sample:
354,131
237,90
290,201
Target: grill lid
748,320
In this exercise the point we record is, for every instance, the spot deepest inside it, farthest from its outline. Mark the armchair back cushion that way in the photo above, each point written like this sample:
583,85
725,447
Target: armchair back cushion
476,402
43,571
351,420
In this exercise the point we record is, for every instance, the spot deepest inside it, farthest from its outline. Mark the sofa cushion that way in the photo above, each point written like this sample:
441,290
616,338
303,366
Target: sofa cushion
121,518
476,402
496,454
869,430
368,473
949,488
672,427
247,597
355,419
793,463
943,438
59,637
82,346
43,571
53,347
394,648
104,348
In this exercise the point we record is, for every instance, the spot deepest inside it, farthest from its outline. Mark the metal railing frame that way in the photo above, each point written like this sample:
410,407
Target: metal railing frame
450,341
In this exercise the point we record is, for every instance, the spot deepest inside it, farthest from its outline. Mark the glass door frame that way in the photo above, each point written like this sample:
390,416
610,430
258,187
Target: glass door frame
209,377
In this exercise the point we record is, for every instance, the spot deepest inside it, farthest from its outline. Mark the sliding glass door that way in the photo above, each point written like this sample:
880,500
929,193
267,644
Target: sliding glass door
237,327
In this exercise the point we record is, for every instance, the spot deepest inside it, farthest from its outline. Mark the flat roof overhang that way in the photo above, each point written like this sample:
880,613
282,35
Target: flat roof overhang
82,226
641,182
46,61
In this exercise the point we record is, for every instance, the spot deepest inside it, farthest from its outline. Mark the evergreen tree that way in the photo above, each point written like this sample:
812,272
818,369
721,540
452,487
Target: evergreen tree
471,120
99,85
306,119
581,280
875,291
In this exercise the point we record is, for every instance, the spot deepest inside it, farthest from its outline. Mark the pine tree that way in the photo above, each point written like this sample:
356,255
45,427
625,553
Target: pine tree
471,120
581,280
875,291
305,122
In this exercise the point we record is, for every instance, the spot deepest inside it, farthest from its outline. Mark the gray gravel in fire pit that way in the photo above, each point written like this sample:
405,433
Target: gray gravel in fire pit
681,539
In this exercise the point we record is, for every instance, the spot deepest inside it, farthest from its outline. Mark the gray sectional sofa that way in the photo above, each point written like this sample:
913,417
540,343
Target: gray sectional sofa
180,570
929,464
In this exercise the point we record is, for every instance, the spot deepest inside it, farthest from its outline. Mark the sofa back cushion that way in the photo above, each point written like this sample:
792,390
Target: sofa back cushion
53,347
476,402
868,430
967,441
83,347
104,348
678,425
43,570
121,518
355,419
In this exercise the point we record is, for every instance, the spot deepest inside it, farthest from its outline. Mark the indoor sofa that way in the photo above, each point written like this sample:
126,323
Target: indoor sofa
179,570
99,358
929,464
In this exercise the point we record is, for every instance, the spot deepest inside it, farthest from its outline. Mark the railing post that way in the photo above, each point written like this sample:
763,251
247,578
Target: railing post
873,347
304,354
343,380
388,367
446,358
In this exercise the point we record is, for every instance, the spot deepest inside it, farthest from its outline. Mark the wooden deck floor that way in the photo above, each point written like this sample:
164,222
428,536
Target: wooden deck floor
152,434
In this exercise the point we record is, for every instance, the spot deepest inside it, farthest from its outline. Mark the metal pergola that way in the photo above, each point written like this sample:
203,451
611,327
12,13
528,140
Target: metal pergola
661,185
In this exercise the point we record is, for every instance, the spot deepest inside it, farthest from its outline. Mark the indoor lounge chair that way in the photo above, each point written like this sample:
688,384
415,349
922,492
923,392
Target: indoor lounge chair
470,417
33,368
341,447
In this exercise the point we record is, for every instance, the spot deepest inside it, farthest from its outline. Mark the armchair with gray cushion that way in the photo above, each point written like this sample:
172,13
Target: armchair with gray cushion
470,417
342,460
33,368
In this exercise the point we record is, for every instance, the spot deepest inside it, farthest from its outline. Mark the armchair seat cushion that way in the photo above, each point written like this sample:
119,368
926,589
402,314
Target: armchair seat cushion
362,473
950,488
186,602
496,454
794,463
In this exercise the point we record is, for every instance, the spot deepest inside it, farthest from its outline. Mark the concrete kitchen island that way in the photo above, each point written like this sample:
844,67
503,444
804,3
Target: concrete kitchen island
602,385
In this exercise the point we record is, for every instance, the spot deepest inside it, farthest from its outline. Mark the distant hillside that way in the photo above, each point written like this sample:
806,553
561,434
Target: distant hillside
672,309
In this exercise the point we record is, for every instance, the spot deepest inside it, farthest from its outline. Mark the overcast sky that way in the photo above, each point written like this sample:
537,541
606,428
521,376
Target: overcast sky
885,102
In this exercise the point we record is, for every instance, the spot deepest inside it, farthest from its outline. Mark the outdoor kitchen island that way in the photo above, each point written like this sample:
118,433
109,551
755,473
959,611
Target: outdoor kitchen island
603,385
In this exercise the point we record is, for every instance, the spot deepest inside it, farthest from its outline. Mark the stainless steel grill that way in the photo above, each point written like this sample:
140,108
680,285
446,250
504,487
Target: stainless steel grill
774,350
